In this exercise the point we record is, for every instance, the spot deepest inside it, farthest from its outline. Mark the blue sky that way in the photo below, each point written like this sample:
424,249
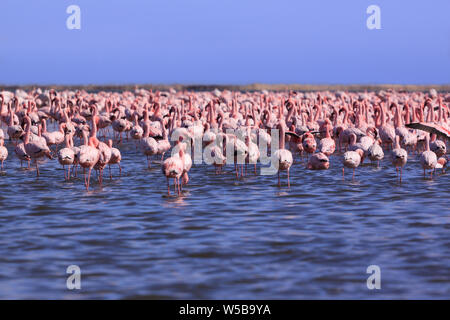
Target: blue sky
224,42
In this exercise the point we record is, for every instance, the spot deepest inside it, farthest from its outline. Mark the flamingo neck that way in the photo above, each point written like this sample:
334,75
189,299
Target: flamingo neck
28,131
282,137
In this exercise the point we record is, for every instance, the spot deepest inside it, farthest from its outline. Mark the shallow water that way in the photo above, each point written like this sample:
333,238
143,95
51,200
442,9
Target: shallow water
224,238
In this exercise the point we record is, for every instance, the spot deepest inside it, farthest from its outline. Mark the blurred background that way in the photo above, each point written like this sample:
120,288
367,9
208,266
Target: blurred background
224,42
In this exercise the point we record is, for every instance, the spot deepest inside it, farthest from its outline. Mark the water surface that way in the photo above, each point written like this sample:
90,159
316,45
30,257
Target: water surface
224,238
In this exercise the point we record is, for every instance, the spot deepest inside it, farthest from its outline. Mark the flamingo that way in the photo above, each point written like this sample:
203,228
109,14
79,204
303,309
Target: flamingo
173,167
88,157
253,150
428,158
387,131
399,157
438,146
103,148
15,131
3,152
19,149
327,146
441,163
66,157
352,159
163,144
35,149
187,163
116,157
318,161
282,155
54,137
375,153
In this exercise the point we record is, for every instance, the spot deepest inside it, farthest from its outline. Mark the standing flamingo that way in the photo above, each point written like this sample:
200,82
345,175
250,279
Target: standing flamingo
149,145
173,167
35,149
116,157
327,145
3,152
282,155
352,159
88,157
103,148
428,158
399,157
163,144
318,161
376,153
66,156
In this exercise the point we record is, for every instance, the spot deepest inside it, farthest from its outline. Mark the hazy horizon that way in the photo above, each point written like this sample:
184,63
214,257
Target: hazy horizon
234,43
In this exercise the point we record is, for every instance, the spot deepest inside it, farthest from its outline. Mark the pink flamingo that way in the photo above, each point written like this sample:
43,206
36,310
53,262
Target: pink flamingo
282,155
66,156
35,149
352,159
399,157
428,158
3,152
318,161
163,144
88,157
116,157
103,148
173,167
149,145
327,145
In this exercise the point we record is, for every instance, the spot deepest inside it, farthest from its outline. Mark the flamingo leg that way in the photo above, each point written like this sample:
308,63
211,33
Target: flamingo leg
279,184
168,187
120,170
37,168
89,178
289,184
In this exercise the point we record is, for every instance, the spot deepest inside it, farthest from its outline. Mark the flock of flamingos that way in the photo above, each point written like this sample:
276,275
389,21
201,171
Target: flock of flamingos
315,125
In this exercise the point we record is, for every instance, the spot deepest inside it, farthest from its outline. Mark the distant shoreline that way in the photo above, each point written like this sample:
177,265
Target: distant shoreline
249,87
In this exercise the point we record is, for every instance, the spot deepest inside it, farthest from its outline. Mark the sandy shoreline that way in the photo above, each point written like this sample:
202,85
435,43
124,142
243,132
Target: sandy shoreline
249,87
